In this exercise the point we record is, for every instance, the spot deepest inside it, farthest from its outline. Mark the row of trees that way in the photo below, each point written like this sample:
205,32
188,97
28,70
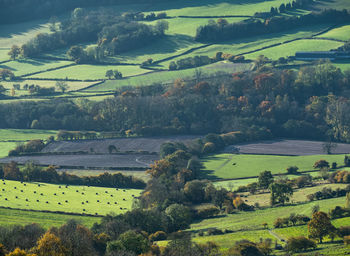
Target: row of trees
222,30
310,103
32,172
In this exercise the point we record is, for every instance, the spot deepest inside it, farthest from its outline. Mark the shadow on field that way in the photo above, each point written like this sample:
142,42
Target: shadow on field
202,3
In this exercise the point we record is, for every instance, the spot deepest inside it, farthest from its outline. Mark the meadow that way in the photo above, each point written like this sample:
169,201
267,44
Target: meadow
215,8
89,72
23,67
254,220
45,219
72,85
165,77
289,49
341,33
232,166
69,199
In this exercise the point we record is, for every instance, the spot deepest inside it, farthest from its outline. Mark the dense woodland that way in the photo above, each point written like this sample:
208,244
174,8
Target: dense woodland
310,103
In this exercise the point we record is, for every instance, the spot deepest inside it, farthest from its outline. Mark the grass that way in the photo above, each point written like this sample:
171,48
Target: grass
165,77
9,138
341,33
299,195
5,147
228,240
44,219
241,46
222,165
290,49
25,134
254,220
215,8
27,66
3,54
90,72
86,198
72,86
20,33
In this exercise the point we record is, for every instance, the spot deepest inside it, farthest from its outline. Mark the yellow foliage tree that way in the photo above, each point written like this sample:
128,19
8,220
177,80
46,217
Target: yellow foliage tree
49,244
19,252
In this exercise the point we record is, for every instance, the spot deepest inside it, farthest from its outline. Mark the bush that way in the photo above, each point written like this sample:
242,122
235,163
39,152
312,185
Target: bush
207,212
158,236
347,240
214,232
292,170
297,244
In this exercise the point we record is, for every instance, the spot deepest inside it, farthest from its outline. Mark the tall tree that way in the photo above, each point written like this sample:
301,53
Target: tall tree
320,225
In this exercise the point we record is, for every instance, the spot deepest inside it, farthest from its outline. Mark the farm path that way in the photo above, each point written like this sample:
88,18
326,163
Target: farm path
276,235
225,163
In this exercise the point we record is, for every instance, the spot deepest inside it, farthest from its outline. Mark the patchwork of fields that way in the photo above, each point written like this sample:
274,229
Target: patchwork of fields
178,43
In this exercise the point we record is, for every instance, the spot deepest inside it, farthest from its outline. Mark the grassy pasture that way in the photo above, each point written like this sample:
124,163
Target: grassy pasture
222,165
254,220
335,4
3,54
215,8
44,219
9,138
5,147
20,33
110,200
341,33
241,46
166,77
27,66
290,49
300,195
72,86
25,134
89,72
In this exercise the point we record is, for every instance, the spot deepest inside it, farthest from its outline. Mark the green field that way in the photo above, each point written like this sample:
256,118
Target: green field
72,86
299,195
20,33
167,76
3,54
27,66
9,138
110,199
222,165
25,134
89,72
289,49
215,8
341,33
44,219
5,147
138,174
254,220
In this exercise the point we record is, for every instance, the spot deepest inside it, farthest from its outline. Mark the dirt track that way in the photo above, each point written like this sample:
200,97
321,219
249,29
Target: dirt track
287,147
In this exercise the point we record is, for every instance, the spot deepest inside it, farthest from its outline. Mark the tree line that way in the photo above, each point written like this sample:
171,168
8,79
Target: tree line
310,103
223,30
31,172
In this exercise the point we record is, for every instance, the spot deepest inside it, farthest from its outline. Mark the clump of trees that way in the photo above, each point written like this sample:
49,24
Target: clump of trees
327,193
32,146
113,34
292,220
